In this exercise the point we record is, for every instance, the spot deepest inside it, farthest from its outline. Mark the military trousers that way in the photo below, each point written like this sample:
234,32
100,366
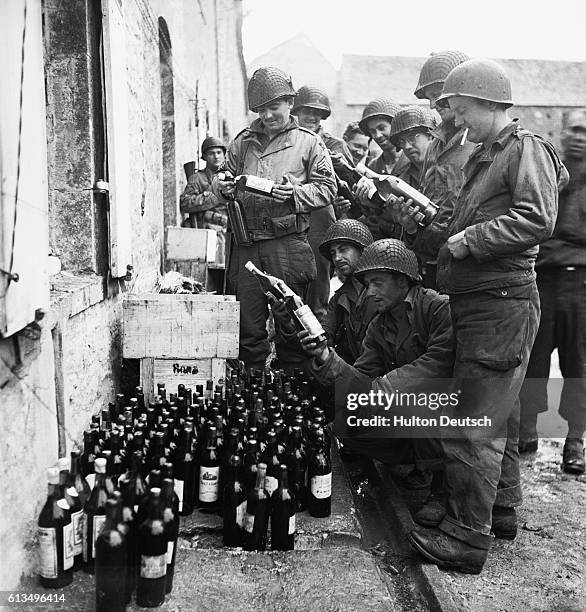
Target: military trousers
562,292
494,331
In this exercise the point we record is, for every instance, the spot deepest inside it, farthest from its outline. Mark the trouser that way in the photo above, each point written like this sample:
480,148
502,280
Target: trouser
562,292
288,258
494,331
319,290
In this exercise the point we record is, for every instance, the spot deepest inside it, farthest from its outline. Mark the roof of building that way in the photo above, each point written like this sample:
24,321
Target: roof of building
534,82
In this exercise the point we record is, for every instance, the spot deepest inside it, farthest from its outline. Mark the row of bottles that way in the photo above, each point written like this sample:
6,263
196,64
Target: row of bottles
255,451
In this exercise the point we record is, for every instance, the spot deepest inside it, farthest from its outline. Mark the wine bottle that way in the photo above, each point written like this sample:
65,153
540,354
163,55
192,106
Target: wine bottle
390,185
256,518
129,518
300,313
71,496
111,560
283,507
248,183
94,515
352,175
269,457
234,502
319,499
171,526
152,550
297,467
55,537
209,474
250,462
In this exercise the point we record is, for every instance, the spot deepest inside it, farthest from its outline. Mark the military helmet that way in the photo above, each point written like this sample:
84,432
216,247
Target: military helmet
388,255
379,107
345,230
409,118
266,85
313,97
209,142
436,69
479,78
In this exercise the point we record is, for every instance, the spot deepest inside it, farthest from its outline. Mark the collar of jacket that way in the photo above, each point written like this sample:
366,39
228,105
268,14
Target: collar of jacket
257,127
484,153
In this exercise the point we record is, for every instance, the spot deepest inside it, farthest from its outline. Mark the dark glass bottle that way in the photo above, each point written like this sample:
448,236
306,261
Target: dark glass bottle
111,560
209,474
319,476
171,525
269,457
184,474
94,515
130,521
71,496
297,467
234,502
55,533
77,480
249,465
256,519
283,507
152,550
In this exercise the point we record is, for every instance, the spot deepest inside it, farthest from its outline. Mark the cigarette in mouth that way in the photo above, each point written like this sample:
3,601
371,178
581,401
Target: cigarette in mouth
464,136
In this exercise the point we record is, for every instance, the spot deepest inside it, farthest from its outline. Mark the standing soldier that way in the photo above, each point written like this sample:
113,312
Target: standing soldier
311,107
506,207
197,198
561,280
442,168
275,147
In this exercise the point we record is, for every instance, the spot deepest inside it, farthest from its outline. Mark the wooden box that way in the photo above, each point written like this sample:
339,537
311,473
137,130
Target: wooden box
177,326
172,372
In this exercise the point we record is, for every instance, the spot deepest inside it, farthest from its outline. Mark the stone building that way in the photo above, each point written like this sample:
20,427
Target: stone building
101,103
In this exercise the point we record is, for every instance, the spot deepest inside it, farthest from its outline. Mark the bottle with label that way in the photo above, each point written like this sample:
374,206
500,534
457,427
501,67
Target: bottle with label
300,313
167,472
351,176
234,502
111,559
152,550
94,515
248,183
77,480
71,496
388,186
297,465
55,533
283,508
270,458
171,525
249,464
319,474
209,474
129,519
256,518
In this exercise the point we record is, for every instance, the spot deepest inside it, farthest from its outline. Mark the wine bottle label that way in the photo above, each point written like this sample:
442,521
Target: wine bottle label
259,184
248,522
68,546
135,508
84,540
91,480
240,513
72,492
321,486
179,490
291,530
48,552
271,484
152,568
77,523
209,478
99,522
309,320
170,547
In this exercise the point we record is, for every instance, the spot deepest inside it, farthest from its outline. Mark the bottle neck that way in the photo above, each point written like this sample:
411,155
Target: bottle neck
260,478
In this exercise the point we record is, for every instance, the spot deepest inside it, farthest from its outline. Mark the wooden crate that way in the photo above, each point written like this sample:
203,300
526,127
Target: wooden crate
177,326
172,372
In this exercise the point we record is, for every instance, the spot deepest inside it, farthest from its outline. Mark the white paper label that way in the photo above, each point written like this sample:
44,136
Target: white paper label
321,486
170,547
291,525
179,484
91,480
67,546
153,567
260,184
99,522
248,522
48,552
240,512
77,523
271,484
208,483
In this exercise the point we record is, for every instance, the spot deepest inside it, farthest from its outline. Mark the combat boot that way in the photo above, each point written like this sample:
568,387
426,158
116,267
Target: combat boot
504,523
447,552
432,512
573,456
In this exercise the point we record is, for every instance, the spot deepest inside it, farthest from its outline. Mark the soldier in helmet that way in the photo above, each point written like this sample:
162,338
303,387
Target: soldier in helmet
311,107
407,347
197,198
506,207
275,147
376,121
442,174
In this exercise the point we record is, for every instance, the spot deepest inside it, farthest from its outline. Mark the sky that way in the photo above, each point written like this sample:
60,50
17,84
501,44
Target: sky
552,29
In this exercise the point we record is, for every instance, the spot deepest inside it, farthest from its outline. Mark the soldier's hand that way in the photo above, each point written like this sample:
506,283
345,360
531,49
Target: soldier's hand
317,349
341,207
226,184
281,314
405,214
458,246
283,192
364,188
